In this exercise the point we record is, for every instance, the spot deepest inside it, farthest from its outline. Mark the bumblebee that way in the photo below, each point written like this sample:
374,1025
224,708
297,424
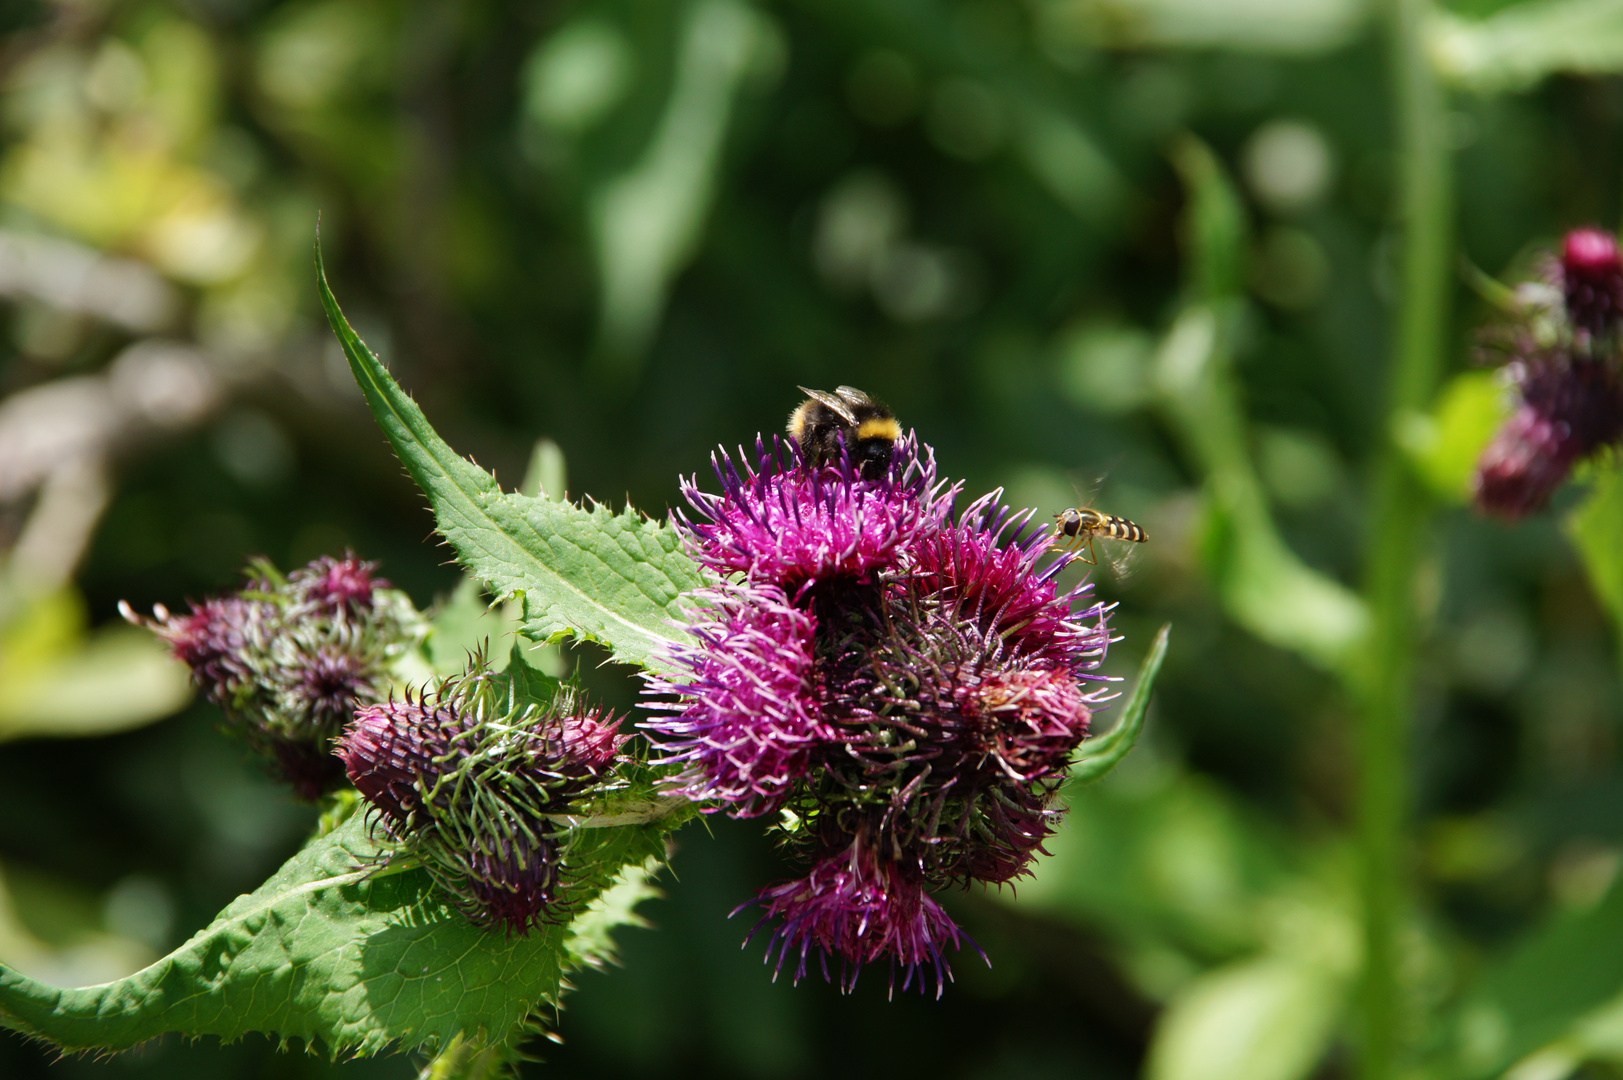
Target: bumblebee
867,427
1078,528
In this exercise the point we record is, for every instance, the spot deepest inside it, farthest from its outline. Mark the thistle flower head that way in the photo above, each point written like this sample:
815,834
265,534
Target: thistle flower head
856,908
288,658
213,640
983,571
907,688
782,521
473,779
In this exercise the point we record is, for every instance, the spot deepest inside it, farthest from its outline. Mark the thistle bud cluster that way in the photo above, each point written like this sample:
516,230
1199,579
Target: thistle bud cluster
903,689
477,781
288,658
1566,366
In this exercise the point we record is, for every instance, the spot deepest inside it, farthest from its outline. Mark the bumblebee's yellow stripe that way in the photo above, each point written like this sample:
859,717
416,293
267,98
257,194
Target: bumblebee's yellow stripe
880,427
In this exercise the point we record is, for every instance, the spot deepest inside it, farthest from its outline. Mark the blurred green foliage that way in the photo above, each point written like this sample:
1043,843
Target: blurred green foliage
1148,241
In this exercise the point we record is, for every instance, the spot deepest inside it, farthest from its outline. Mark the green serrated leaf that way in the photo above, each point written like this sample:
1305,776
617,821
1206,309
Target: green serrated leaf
613,578
1099,755
328,952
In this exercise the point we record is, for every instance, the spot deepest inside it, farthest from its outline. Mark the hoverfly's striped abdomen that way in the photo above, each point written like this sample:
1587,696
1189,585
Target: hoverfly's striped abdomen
1119,528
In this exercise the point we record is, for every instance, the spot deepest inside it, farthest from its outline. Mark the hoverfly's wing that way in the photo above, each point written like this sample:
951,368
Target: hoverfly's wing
1120,554
835,403
852,396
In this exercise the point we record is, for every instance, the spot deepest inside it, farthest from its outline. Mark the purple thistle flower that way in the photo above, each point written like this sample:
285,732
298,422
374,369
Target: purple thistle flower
983,572
1590,274
784,522
856,908
906,688
1570,407
471,781
325,685
748,718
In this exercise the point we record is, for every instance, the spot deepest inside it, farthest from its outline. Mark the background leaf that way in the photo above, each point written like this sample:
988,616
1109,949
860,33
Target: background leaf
1267,1019
1525,43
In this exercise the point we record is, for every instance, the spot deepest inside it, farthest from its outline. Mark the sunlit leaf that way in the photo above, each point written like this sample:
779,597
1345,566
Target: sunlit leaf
613,578
331,953
1523,44
1445,444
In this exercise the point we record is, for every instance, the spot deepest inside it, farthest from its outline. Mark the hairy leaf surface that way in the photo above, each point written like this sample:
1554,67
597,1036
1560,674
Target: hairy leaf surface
328,952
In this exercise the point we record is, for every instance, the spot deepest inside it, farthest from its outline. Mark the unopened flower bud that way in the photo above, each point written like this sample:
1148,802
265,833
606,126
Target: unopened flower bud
474,781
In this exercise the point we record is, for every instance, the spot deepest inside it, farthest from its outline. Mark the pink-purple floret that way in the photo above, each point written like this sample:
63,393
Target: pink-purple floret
780,522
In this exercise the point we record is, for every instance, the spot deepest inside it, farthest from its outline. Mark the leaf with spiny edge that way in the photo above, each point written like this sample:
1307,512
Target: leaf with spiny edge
613,578
332,952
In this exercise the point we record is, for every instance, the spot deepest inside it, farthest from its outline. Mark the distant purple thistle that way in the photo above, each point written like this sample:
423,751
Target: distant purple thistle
288,658
783,522
1591,279
328,683
748,718
857,909
1570,407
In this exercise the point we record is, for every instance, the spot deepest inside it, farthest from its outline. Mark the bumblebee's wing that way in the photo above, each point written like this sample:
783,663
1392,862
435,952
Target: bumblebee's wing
852,396
840,407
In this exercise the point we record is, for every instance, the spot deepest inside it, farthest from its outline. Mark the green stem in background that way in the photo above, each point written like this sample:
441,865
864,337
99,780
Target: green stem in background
1398,524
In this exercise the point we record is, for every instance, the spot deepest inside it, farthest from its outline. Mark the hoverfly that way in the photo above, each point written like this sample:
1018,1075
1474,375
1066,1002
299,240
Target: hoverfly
1076,529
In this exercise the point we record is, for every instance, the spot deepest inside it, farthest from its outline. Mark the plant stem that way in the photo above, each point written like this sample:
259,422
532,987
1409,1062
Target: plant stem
1399,522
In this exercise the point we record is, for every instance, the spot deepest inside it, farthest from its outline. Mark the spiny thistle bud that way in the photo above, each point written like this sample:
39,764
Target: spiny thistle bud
288,658
907,689
475,780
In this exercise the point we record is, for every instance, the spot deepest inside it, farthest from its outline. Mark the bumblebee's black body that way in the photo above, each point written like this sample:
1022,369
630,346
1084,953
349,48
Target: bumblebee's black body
1079,527
867,428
